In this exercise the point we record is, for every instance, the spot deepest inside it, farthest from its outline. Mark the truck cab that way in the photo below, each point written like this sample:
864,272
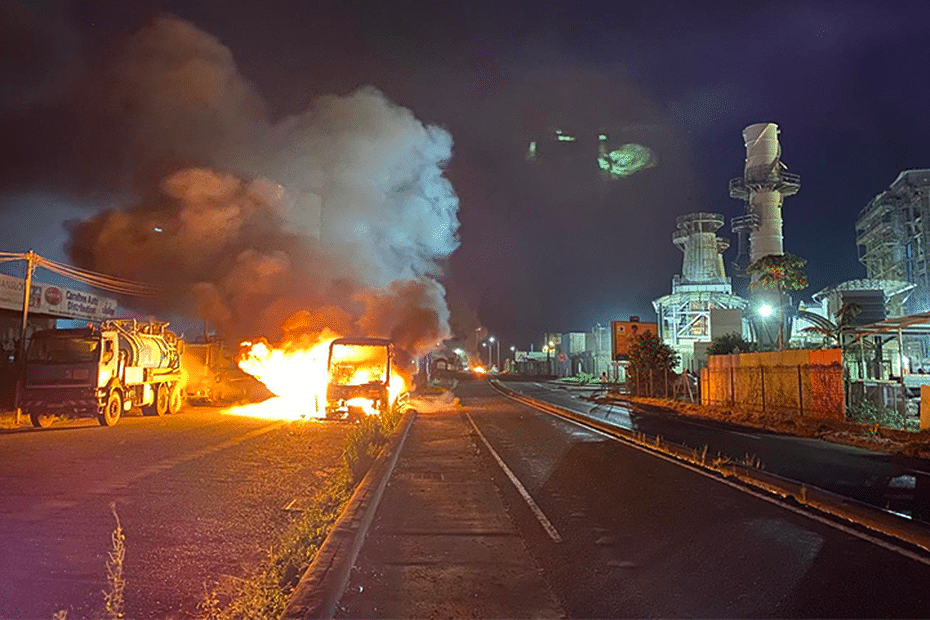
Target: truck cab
63,371
359,377
102,372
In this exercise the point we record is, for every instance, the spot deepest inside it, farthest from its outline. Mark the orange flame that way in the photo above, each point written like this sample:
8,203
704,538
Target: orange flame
298,377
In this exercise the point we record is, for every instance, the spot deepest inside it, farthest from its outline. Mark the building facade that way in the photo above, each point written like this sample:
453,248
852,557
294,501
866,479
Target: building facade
893,235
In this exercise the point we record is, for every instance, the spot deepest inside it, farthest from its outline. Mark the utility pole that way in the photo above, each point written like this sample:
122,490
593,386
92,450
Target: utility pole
31,261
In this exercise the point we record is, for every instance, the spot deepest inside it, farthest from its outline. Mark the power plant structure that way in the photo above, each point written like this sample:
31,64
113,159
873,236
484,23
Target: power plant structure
764,185
696,310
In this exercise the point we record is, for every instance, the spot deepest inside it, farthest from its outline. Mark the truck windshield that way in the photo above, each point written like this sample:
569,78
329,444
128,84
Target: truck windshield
63,350
358,364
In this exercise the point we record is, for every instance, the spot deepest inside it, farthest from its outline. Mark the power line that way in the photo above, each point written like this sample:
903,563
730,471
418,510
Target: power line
96,279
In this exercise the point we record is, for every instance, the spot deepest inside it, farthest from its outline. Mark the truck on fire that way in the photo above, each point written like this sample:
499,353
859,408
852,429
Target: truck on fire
361,378
103,372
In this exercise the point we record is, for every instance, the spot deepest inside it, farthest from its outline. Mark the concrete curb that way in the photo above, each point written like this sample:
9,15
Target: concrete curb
810,497
322,584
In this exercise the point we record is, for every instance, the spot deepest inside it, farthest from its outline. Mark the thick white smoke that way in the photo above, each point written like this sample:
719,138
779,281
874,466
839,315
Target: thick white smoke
256,225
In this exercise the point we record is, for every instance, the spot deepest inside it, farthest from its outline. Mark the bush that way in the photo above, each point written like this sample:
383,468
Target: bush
871,414
729,343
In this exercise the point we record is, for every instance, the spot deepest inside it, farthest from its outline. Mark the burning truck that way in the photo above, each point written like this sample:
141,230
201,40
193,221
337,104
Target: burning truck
361,381
331,378
103,371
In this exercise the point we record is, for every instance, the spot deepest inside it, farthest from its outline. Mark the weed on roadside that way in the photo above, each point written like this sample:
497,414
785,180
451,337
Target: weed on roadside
113,595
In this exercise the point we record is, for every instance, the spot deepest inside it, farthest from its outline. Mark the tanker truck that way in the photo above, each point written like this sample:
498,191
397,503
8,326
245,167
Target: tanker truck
102,372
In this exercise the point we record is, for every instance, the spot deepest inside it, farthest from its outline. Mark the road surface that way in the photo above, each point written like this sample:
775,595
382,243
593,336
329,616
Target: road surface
636,535
885,480
200,495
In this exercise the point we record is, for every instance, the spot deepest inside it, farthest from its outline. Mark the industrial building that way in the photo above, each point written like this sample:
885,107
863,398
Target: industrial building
764,185
686,316
893,235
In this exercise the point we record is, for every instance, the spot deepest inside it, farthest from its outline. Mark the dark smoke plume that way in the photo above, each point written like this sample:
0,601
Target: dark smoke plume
338,217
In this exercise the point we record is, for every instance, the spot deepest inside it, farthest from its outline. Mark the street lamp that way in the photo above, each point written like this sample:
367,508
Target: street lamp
493,340
765,310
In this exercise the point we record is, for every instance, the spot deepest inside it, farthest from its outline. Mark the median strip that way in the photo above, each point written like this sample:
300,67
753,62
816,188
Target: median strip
320,588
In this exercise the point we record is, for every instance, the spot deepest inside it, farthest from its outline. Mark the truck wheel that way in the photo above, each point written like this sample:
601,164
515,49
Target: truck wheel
112,410
175,398
160,406
162,399
41,420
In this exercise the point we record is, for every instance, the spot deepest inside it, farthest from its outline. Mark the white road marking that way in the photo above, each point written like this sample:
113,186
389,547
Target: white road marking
810,515
534,507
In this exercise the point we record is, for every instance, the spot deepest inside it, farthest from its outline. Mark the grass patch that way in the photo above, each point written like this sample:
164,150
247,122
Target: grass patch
871,414
264,593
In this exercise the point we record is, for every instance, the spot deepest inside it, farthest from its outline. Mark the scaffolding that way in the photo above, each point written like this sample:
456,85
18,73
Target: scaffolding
893,235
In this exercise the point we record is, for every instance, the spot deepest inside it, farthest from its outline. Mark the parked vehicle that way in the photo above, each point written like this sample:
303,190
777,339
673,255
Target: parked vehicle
213,378
103,372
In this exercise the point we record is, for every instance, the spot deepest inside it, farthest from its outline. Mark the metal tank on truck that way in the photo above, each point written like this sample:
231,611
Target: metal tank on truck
103,372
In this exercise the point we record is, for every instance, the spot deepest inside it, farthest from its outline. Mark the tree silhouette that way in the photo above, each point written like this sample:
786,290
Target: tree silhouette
651,358
781,272
729,343
844,318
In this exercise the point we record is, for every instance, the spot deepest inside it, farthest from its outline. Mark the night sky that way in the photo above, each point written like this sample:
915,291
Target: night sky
547,245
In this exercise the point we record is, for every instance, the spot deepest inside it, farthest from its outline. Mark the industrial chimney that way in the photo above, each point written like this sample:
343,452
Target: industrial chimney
702,291
703,249
763,186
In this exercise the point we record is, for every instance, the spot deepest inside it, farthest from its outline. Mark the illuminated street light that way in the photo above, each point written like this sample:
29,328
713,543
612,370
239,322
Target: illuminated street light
765,310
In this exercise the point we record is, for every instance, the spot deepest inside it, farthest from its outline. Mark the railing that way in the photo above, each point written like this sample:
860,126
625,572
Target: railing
658,384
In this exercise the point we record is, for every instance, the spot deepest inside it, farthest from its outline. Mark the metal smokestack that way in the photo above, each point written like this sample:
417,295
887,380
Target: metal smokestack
702,288
697,238
763,186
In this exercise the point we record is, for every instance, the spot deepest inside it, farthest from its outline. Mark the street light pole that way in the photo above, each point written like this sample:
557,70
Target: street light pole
31,261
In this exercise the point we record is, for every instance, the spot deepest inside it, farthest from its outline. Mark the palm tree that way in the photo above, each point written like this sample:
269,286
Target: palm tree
844,318
782,272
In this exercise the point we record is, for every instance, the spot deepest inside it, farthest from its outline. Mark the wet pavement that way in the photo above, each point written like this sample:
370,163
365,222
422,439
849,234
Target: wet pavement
645,537
894,482
201,496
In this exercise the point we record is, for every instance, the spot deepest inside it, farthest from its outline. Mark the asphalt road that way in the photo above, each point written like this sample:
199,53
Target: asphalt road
645,537
200,495
877,478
